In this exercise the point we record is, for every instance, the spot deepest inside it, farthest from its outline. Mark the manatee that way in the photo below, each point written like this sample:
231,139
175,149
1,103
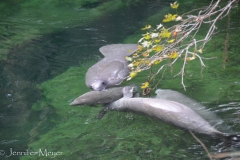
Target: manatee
99,97
169,111
211,117
112,69
103,97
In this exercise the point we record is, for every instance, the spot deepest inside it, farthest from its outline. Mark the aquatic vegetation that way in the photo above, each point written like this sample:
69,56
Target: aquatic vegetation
79,135
28,20
78,132
179,40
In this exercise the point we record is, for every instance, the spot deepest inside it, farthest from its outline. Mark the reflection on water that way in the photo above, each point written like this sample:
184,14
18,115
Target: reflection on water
233,116
119,135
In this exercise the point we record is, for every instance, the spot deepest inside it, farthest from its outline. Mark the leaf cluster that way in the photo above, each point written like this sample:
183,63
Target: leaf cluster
152,44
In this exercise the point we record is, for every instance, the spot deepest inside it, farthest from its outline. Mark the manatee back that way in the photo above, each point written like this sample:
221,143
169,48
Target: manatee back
210,116
168,111
111,72
118,50
99,97
180,115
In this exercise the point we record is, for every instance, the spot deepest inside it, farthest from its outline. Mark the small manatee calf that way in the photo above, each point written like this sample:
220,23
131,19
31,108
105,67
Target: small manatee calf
99,97
102,97
112,69
169,111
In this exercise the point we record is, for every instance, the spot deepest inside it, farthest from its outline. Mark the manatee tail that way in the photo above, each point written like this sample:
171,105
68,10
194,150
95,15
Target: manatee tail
231,140
234,137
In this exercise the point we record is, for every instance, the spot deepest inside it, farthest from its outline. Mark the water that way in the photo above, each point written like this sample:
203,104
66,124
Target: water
43,74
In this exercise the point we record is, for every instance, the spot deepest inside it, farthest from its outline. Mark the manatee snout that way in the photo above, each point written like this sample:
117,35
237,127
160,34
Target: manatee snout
98,85
79,101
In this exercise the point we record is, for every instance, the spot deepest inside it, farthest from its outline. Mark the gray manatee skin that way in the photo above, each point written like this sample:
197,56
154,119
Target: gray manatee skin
169,111
112,69
99,97
104,97
211,117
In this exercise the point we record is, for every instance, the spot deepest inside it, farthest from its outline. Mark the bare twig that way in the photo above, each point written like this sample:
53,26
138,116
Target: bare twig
199,141
182,40
225,155
225,53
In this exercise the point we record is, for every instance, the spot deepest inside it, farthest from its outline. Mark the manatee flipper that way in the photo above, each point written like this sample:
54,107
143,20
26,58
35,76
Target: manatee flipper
102,112
130,91
114,73
123,74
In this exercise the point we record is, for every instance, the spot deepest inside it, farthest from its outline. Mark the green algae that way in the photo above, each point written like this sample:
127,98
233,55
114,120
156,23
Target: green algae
32,19
72,85
79,135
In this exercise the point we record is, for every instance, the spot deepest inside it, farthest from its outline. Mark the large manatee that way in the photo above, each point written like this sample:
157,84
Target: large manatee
210,116
102,97
169,111
112,69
